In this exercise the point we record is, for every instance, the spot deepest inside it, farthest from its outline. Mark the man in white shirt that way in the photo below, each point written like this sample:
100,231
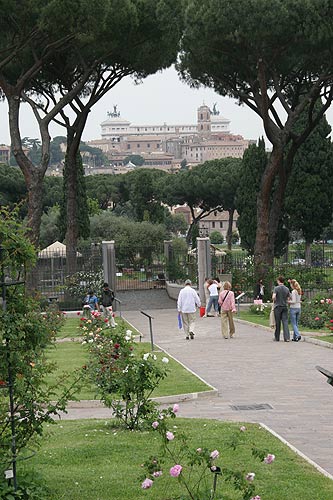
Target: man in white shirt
188,301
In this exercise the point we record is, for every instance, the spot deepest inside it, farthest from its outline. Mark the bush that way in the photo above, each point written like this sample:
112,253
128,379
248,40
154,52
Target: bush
260,310
125,380
318,312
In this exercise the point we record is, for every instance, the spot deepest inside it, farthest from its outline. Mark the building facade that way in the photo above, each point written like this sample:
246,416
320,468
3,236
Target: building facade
167,145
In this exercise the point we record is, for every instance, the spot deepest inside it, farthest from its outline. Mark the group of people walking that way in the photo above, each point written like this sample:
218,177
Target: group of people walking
222,299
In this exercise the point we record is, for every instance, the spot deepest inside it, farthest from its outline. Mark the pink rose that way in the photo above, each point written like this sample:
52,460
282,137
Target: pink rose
316,318
242,428
176,470
157,473
214,454
170,436
155,425
257,497
147,483
199,450
322,301
269,458
175,408
250,476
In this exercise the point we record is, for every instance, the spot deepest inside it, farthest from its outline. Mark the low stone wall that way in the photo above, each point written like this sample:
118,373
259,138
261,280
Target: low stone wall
173,289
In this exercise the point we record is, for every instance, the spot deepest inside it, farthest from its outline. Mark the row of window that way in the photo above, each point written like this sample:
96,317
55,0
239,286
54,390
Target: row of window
139,145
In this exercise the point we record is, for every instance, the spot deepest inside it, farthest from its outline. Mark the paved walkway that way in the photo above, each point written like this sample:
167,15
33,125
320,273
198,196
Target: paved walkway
246,370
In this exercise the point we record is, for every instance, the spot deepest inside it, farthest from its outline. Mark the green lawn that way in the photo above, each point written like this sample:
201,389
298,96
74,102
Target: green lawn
84,460
264,321
325,338
70,356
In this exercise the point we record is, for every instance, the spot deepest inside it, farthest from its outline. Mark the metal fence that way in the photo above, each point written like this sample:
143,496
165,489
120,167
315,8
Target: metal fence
144,268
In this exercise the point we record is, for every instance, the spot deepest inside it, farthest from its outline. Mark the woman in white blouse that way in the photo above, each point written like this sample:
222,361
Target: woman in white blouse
295,308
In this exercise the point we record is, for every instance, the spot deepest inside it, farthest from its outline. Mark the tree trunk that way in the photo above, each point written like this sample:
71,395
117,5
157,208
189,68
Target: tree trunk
229,231
74,135
72,233
308,253
33,174
268,214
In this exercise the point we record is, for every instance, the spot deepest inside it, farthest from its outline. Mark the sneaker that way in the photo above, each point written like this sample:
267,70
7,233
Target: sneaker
298,339
192,335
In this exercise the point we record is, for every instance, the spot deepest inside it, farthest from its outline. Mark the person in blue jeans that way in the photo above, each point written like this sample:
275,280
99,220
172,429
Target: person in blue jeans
213,298
295,308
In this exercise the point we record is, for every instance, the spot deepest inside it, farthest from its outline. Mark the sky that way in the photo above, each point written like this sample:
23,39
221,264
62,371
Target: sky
160,98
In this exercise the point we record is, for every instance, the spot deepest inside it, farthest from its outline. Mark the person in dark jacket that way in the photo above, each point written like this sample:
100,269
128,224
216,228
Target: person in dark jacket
106,302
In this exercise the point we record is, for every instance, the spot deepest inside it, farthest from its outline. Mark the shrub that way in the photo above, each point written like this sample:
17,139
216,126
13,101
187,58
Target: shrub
317,312
79,283
124,380
196,469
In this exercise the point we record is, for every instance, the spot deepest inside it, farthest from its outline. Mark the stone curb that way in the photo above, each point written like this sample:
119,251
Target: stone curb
321,343
295,450
306,336
177,398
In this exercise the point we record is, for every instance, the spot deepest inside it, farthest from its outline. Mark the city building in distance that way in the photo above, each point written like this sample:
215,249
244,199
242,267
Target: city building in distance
167,146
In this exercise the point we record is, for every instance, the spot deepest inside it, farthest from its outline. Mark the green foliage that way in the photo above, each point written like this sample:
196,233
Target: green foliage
28,489
135,241
198,472
94,157
318,312
16,249
78,284
236,49
260,310
141,187
235,237
56,154
310,186
136,159
176,224
49,229
207,187
253,166
24,333
124,380
216,238
12,185
53,192
105,188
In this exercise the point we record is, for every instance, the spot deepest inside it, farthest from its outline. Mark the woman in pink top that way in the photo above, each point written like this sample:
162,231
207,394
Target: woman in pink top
228,307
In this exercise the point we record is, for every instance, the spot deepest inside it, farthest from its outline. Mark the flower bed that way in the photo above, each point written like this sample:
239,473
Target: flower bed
318,312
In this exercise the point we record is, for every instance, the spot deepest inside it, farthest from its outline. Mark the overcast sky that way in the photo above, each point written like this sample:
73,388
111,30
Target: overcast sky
160,98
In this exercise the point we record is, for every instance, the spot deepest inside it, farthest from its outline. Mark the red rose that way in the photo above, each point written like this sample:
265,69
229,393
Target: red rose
116,346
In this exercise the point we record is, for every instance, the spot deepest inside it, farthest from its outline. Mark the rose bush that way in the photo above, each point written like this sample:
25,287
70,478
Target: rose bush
27,400
316,313
196,469
125,379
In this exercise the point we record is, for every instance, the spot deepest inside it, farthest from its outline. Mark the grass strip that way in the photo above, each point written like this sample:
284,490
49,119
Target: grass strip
263,320
70,356
92,459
